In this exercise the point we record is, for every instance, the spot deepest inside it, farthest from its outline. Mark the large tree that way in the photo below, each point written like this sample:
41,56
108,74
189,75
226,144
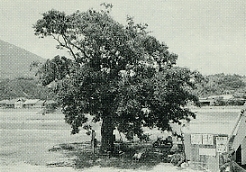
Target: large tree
119,74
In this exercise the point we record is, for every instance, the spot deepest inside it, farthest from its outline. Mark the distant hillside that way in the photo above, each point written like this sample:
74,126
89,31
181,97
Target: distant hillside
15,61
23,87
219,84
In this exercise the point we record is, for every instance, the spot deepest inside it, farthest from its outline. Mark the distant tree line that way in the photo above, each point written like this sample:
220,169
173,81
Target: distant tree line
219,84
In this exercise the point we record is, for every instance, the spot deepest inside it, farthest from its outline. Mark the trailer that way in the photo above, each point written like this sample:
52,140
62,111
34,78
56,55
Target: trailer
212,143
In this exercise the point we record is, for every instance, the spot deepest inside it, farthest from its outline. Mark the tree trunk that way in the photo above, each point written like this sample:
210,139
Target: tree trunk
107,139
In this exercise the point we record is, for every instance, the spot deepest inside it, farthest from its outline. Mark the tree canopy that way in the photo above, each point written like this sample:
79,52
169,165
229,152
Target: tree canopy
119,74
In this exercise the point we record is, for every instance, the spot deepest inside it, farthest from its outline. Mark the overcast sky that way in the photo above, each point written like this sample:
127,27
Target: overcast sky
208,35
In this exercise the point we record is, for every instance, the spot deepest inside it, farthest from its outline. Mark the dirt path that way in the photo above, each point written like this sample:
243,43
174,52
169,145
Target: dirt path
23,167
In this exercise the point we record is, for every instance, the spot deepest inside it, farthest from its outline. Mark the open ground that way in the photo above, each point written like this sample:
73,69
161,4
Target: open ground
27,137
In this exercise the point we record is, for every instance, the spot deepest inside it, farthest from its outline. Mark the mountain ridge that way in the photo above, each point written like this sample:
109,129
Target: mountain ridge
15,61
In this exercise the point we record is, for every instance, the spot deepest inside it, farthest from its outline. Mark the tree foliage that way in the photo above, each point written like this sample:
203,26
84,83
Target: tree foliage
119,74
53,70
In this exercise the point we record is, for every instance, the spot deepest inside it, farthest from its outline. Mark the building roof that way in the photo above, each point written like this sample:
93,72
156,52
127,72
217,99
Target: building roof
50,102
12,101
223,96
227,96
31,101
213,97
205,100
213,121
40,102
4,101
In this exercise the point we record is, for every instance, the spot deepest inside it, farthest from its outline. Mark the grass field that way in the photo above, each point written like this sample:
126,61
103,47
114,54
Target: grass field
27,136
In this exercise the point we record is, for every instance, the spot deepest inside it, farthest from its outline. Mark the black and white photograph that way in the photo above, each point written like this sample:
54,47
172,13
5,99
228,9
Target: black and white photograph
123,85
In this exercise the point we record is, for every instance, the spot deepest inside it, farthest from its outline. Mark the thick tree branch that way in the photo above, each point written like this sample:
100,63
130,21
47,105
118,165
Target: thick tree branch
69,48
64,45
80,49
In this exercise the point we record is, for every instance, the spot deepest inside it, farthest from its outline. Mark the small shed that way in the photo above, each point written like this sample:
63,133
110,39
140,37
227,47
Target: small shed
213,134
3,103
14,103
19,103
39,104
50,104
30,103
207,101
